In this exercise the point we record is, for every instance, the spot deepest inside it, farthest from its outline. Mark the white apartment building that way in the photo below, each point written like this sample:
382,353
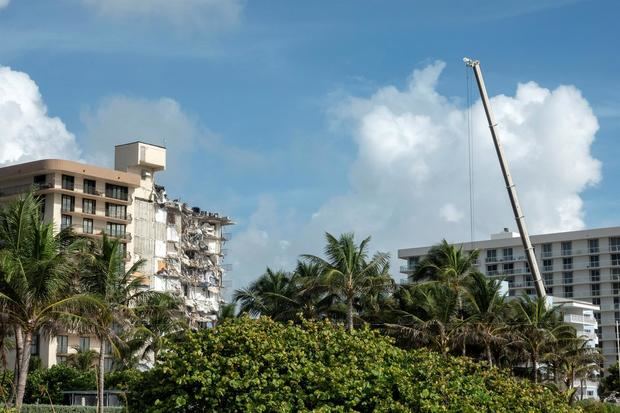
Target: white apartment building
182,246
580,265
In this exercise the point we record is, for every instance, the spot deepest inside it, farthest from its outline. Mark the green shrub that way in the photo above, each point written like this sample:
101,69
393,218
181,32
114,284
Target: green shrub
264,366
44,385
594,406
42,408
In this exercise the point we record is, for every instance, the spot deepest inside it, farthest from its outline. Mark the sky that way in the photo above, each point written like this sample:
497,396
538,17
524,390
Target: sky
300,118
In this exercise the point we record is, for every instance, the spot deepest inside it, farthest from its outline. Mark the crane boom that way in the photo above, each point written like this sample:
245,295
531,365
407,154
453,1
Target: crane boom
510,186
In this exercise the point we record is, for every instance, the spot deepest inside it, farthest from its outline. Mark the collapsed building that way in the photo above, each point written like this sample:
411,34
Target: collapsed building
191,264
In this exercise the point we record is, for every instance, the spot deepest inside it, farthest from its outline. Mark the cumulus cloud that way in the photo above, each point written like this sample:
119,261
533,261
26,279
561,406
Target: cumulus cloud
27,131
4,3
409,182
195,14
162,121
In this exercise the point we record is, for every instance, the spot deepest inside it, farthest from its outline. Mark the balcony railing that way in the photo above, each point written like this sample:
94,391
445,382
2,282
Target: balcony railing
580,319
23,188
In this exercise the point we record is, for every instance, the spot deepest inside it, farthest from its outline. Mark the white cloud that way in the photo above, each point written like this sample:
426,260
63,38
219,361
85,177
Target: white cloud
27,132
4,3
193,14
409,182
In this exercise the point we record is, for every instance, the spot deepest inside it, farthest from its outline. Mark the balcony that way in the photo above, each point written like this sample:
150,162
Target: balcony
491,259
547,254
579,319
614,248
21,189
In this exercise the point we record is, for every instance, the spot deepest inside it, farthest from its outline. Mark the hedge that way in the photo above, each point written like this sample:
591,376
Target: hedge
264,366
46,408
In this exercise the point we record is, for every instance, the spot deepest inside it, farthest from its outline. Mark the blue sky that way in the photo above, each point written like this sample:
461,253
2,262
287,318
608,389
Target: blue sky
253,93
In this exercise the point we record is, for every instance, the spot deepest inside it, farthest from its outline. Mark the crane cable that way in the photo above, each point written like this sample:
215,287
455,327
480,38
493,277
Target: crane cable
470,154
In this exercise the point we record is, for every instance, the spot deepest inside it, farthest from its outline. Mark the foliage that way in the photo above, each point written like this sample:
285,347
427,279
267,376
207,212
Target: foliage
42,408
261,365
36,269
46,384
594,406
610,383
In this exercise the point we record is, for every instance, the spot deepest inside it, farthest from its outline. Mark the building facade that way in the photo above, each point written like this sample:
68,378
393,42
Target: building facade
577,265
182,246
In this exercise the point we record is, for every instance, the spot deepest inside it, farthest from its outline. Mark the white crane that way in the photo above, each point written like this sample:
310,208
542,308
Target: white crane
510,186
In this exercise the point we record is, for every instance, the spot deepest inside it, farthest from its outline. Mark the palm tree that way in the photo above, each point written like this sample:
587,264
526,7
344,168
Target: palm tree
448,265
272,295
487,310
350,273
118,291
36,270
158,316
537,327
426,315
83,359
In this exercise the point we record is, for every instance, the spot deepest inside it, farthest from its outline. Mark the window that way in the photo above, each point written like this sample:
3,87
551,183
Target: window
526,268
87,226
62,346
34,345
547,265
68,182
65,221
596,300
595,289
615,259
614,244
115,230
593,246
39,181
594,261
116,192
89,206
597,316
595,276
567,248
185,290
567,277
615,288
507,254
547,250
568,291
492,269
509,268
108,364
549,290
567,263
548,278
491,255
61,359
67,203
107,348
115,211
84,343
90,186
615,274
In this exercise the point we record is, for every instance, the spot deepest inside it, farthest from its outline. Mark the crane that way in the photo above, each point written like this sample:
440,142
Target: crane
510,186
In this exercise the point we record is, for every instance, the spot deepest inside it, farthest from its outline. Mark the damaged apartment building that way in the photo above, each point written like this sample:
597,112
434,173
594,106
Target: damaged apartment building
182,246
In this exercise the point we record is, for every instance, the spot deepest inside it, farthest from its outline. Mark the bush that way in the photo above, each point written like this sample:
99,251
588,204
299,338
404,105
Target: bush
46,384
594,406
261,365
42,408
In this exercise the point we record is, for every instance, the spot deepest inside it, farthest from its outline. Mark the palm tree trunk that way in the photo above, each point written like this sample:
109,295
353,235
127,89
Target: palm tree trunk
101,375
19,349
23,369
534,369
350,314
489,354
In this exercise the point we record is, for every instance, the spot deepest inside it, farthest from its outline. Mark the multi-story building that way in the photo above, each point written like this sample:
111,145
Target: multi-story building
580,265
182,246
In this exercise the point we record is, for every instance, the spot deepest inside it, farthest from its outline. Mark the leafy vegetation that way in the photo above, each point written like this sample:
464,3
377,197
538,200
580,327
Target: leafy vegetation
262,365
